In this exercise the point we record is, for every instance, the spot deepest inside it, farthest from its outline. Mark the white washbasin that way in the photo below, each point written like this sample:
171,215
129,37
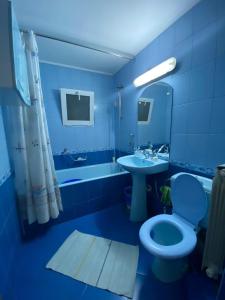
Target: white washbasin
139,167
136,164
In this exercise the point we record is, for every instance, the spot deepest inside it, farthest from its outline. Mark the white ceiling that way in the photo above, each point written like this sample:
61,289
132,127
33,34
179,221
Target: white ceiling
125,26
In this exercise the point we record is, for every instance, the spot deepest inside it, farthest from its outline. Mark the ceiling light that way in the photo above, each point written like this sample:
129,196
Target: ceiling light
156,72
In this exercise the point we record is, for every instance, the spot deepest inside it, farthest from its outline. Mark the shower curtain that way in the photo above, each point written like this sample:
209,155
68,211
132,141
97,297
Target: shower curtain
36,186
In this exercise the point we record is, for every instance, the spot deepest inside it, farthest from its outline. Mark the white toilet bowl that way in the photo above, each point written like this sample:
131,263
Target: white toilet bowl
170,238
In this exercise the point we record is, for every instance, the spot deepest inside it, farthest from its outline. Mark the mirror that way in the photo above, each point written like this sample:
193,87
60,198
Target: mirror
154,109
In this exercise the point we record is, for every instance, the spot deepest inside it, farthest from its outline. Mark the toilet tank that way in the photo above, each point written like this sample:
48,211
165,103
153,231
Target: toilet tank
207,185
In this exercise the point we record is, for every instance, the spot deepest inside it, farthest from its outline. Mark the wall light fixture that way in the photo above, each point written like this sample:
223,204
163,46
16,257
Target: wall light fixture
156,72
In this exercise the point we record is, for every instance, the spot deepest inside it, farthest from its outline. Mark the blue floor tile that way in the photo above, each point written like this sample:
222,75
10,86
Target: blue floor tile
149,288
33,281
99,294
198,286
145,261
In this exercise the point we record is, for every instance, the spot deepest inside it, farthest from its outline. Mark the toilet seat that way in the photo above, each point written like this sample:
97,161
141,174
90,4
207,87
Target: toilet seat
170,238
188,198
189,207
178,250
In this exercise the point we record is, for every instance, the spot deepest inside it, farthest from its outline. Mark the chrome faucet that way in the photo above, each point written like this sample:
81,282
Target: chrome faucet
146,153
65,151
137,150
149,146
161,148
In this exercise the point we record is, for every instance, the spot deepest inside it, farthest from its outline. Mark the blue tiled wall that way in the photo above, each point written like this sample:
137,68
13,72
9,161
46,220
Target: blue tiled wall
4,160
9,236
9,228
95,157
197,40
78,138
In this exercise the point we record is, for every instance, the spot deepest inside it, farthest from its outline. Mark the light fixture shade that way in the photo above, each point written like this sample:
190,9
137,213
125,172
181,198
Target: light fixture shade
156,72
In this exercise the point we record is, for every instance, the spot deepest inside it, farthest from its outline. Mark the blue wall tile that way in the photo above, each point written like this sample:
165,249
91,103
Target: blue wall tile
9,235
179,147
78,138
196,146
220,36
215,142
197,41
184,27
180,119
198,116
4,163
204,13
202,81
204,45
217,119
183,54
92,158
220,8
182,91
9,228
220,76
166,42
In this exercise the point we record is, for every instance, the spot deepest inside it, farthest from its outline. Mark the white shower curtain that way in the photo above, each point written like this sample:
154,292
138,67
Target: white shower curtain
36,186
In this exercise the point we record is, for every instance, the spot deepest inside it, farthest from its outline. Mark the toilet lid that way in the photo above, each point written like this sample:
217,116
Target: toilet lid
188,198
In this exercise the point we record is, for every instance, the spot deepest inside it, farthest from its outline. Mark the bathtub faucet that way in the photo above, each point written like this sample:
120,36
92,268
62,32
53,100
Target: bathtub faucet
71,156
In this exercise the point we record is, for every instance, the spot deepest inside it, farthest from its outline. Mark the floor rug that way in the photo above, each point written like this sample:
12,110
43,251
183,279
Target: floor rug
97,261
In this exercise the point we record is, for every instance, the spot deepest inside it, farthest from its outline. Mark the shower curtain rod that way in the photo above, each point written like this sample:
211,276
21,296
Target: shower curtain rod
108,51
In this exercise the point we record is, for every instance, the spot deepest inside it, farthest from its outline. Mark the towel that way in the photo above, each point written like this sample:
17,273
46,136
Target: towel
214,251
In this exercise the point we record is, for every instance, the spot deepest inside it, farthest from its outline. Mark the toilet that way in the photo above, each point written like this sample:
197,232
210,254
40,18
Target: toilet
171,238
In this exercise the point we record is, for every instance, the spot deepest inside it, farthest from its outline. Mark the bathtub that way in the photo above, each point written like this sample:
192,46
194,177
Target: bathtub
85,190
83,174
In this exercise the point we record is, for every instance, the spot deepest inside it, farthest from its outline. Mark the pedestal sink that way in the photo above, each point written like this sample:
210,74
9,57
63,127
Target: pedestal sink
139,167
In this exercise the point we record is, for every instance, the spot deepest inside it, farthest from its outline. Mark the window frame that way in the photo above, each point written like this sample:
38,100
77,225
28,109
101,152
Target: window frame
151,101
65,121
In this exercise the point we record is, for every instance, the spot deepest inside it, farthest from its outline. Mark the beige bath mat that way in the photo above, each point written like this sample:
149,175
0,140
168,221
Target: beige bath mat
97,261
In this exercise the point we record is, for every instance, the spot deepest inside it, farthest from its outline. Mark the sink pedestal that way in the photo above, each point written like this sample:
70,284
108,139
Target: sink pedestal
139,167
138,212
